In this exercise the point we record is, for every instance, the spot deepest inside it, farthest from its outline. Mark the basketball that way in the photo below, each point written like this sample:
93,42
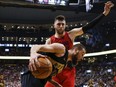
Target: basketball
44,68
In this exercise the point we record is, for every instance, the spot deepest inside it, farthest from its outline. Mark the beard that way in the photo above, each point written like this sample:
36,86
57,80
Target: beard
60,31
74,59
73,62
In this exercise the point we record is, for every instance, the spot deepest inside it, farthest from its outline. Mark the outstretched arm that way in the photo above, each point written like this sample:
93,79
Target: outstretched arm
79,31
107,8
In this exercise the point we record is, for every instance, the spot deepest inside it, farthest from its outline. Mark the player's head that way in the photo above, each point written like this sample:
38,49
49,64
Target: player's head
60,24
78,52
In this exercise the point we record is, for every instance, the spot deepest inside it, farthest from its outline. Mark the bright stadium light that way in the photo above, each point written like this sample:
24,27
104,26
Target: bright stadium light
88,71
88,5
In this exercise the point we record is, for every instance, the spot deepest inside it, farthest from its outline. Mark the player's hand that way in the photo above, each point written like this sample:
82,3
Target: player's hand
107,7
33,60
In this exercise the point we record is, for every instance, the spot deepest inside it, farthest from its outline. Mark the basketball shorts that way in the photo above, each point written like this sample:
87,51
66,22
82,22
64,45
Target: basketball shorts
28,80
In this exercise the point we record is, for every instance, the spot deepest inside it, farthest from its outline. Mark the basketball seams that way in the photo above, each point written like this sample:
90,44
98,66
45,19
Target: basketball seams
48,63
40,74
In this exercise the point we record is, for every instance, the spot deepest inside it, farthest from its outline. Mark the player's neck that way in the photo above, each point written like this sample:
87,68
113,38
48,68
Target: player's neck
59,35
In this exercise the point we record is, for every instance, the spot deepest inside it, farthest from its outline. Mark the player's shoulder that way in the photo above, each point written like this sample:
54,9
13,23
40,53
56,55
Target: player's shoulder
58,45
60,48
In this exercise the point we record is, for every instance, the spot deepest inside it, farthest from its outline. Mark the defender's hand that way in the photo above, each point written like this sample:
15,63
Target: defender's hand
107,7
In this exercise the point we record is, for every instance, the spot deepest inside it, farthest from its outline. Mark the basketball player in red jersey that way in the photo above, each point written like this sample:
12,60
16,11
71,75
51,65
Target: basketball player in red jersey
67,77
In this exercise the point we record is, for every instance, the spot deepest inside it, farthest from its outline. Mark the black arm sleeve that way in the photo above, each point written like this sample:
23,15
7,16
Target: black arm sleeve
92,23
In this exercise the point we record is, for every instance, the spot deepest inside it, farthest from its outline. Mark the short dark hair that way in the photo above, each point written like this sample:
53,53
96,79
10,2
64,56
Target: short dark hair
60,18
79,46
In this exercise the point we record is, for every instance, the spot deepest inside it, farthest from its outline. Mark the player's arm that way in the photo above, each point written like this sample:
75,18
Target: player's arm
107,8
34,55
79,31
52,48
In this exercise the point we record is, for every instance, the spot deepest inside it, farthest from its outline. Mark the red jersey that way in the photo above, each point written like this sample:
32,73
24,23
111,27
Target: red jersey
66,78
64,40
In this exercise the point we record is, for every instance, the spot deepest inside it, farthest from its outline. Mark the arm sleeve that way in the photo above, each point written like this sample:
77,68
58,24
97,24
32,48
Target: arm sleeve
92,23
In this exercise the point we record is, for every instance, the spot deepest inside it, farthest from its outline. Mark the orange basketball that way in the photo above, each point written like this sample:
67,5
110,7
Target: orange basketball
44,68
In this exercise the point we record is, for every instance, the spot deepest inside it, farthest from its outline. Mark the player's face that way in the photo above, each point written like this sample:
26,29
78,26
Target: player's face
60,26
81,54
78,56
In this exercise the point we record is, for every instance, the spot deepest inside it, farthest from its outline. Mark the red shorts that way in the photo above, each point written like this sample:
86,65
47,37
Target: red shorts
66,78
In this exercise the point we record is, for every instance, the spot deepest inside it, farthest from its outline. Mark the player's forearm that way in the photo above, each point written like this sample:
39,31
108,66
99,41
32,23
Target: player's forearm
41,48
107,8
33,53
92,23
35,48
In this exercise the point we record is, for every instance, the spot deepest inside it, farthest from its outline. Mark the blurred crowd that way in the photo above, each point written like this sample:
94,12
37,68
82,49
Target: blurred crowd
87,76
96,76
14,52
10,73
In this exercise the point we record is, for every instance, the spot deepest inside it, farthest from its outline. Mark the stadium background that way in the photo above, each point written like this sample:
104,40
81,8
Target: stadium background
24,23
